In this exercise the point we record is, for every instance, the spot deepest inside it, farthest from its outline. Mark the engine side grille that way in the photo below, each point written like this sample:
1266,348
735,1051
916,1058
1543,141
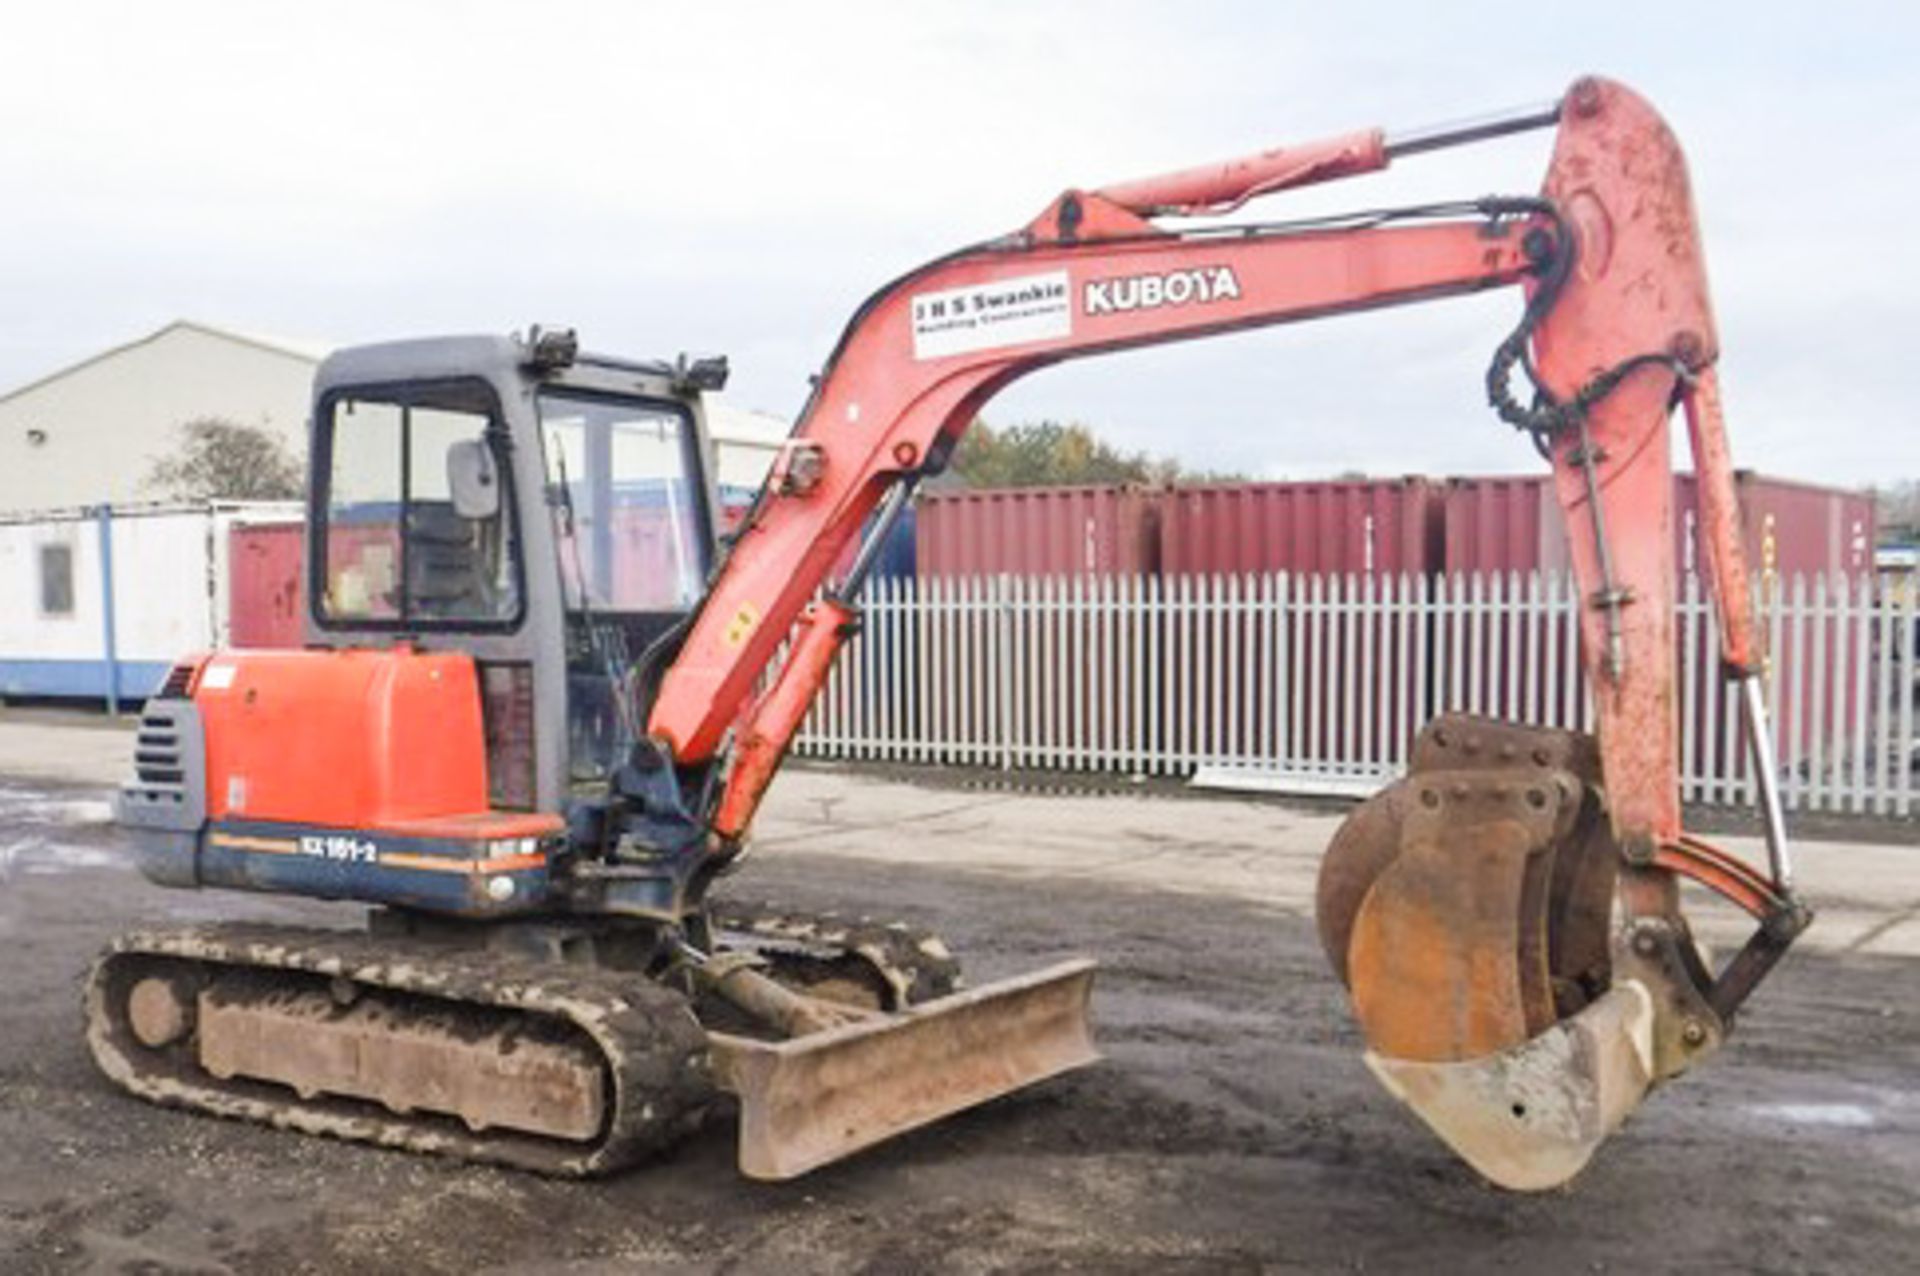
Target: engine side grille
168,790
156,749
179,678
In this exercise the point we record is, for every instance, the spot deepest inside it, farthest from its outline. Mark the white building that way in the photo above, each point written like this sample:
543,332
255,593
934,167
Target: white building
100,587
98,605
746,442
89,434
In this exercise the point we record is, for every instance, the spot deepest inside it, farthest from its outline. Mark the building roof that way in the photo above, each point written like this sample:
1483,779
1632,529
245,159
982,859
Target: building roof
307,351
728,423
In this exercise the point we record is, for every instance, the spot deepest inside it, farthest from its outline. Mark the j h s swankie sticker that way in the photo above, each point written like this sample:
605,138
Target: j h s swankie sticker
1006,312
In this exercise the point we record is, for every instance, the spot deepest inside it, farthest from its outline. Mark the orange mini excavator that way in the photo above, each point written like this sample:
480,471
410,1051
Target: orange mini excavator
537,709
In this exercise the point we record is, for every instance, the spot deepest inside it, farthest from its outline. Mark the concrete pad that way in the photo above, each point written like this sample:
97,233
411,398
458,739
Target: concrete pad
1248,850
1867,897
73,748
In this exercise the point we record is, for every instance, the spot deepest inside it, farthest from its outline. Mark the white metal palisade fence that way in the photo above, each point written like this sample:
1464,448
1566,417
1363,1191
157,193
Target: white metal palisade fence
1320,682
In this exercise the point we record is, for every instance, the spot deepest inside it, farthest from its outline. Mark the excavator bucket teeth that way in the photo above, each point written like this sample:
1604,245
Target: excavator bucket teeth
814,1099
1468,909
1530,1117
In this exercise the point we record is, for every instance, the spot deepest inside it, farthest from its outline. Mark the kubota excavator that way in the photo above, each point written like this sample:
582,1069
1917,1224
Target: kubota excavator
537,710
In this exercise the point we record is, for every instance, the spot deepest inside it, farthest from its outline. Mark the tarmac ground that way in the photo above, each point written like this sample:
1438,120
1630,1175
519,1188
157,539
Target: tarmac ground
1231,1126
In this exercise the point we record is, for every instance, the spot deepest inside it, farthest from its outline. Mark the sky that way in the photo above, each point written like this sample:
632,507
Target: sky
737,177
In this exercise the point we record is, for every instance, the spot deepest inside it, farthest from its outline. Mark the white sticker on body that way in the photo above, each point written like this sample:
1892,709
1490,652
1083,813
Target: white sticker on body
343,847
218,677
1006,312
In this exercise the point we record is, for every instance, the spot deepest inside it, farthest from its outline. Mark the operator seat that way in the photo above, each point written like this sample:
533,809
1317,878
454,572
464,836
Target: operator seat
447,574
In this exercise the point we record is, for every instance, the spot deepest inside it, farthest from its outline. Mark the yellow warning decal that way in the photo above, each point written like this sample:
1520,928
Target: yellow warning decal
744,622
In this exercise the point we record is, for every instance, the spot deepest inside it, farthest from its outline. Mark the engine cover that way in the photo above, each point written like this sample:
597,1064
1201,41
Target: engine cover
344,739
339,774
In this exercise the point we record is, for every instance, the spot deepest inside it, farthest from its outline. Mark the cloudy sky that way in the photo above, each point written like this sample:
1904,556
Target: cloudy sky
737,177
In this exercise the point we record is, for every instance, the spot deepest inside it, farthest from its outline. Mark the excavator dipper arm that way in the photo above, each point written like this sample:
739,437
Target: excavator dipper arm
1470,906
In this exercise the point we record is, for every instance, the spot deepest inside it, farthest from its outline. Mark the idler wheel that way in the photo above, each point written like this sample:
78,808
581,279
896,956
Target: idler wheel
158,1013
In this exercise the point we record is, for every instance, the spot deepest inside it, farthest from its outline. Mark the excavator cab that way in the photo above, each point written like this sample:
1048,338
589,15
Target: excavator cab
550,514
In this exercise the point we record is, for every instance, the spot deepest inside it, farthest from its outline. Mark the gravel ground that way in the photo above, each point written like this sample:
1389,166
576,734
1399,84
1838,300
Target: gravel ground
1232,1126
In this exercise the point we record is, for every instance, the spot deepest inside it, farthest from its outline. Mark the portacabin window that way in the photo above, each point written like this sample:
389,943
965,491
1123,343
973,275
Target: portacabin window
56,580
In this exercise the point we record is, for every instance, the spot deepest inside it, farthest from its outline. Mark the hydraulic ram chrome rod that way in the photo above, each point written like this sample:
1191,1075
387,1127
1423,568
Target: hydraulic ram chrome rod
1436,137
1224,186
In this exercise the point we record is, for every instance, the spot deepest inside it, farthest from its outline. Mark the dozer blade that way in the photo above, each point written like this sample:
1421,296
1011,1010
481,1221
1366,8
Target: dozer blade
814,1099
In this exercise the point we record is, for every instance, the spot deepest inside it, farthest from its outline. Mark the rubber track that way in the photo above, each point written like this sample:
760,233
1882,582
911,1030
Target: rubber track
914,962
654,1050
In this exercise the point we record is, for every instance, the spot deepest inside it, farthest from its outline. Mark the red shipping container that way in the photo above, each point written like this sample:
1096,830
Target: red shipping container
266,583
1036,531
1514,524
1502,524
1790,529
1360,526
264,594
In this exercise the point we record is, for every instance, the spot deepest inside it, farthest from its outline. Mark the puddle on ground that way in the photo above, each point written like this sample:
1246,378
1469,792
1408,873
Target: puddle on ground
1848,1116
38,856
38,806
39,815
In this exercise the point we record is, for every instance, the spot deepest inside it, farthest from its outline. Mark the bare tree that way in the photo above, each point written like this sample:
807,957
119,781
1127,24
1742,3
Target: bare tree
218,459
1899,505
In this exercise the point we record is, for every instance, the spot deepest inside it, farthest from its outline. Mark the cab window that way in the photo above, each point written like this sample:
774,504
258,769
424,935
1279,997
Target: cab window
630,524
416,521
629,521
